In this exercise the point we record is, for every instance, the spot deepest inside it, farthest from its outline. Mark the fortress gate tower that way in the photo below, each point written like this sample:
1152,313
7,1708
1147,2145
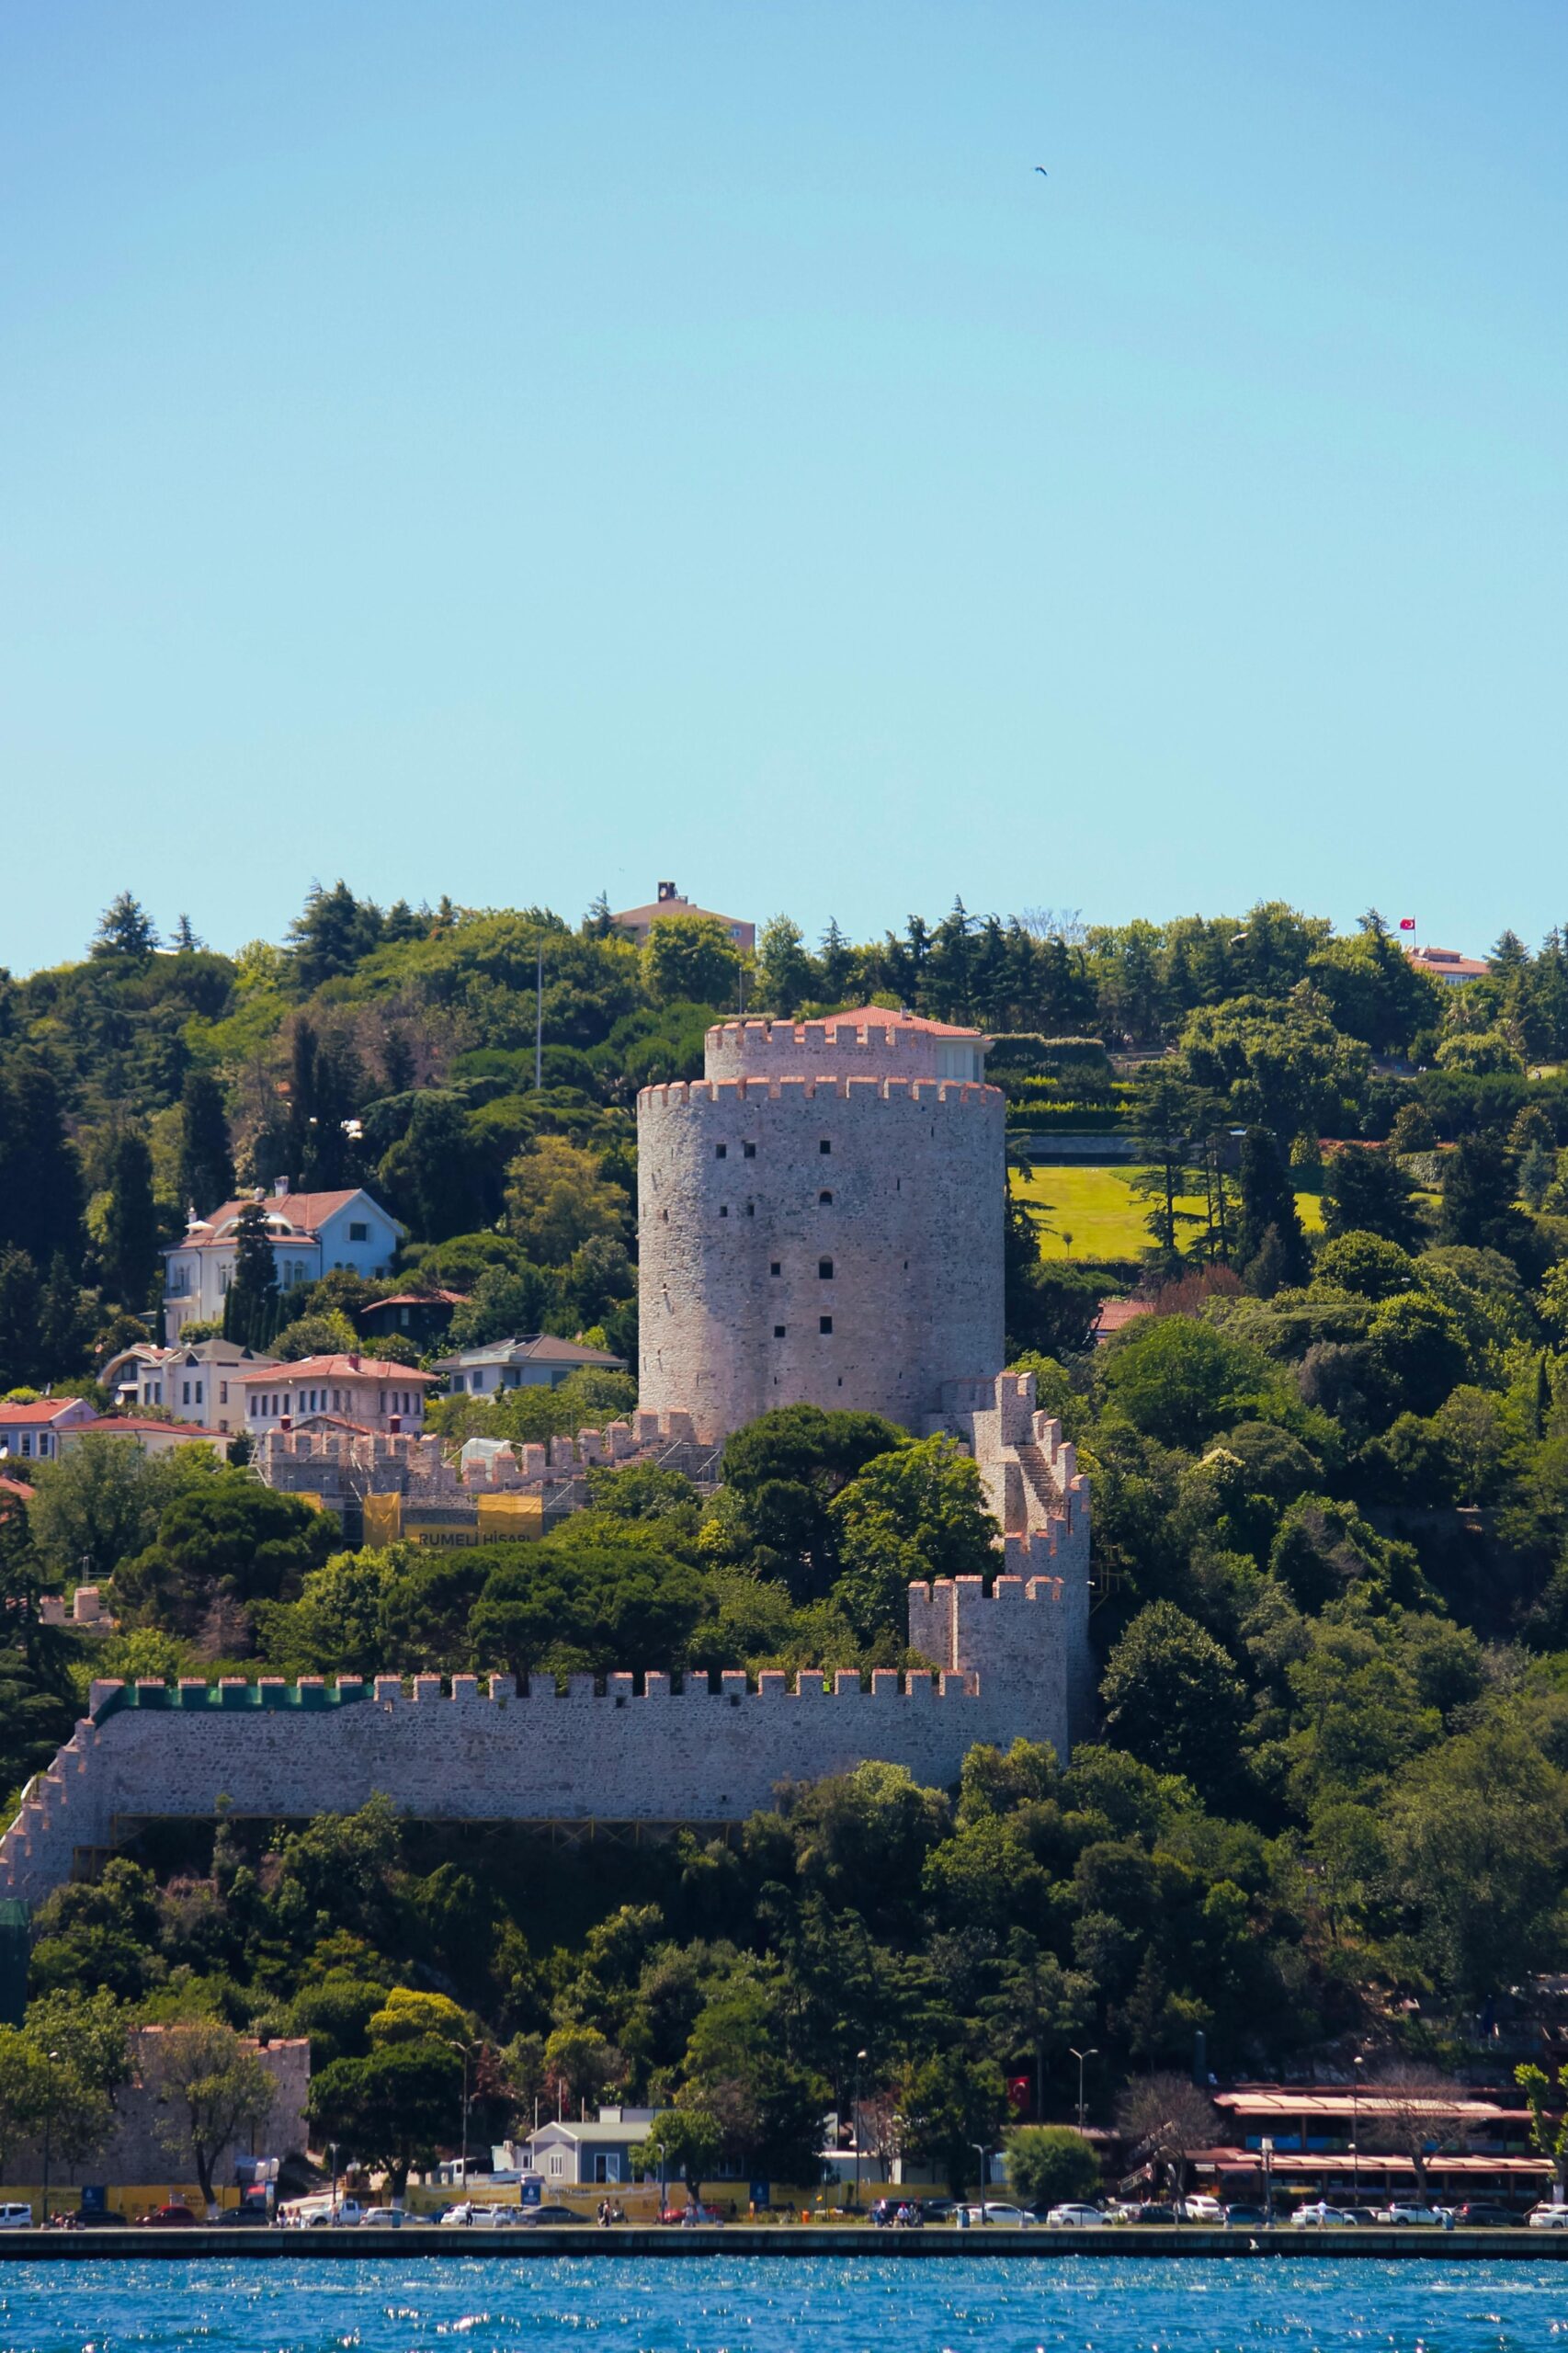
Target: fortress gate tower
821,1221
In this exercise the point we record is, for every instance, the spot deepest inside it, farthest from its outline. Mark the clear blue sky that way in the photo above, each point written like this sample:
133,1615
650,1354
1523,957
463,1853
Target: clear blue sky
509,449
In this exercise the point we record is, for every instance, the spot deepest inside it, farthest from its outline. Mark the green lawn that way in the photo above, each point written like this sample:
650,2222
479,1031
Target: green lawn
1093,1211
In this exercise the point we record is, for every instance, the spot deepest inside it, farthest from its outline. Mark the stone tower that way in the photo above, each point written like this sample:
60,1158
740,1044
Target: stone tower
820,1221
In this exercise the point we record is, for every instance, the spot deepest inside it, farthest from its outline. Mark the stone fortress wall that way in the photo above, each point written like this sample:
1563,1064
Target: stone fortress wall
831,1236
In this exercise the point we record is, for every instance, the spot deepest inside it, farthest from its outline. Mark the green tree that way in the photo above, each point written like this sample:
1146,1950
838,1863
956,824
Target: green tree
954,2104
916,1513
227,1539
1366,1191
102,1501
131,1223
211,2088
44,2093
691,959
1269,1207
20,1300
1173,1697
557,1200
1548,2114
1169,1117
1478,1196
683,2140
333,935
125,929
206,1163
251,1306
597,1597
1179,1381
782,1472
394,2108
1050,2164
40,1175
786,975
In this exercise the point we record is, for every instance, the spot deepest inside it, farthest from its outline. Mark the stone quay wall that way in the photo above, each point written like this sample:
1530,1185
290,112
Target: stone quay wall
831,1241
700,1755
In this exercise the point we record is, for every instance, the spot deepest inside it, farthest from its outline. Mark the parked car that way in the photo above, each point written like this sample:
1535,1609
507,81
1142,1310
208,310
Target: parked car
1074,2218
173,2217
996,2213
1246,2218
458,2217
1404,2212
939,2209
1473,2217
1202,2207
552,2213
1549,2218
1151,2210
322,2212
384,2218
1362,2215
16,2217
1320,2216
247,2216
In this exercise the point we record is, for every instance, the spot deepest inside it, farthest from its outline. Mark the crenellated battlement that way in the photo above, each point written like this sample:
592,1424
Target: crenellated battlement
792,1085
867,1040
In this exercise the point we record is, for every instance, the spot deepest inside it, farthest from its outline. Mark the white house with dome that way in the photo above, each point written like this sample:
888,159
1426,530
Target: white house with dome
310,1233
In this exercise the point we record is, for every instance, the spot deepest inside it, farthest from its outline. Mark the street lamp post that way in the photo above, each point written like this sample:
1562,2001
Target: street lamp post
984,2157
463,2050
1355,2065
48,2122
1268,2148
854,2123
1081,2056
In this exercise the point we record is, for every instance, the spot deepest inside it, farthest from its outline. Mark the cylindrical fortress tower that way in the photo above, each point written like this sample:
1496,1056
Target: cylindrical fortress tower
820,1221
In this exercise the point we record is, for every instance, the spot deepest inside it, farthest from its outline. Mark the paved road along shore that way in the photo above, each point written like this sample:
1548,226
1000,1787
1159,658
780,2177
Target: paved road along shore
936,2243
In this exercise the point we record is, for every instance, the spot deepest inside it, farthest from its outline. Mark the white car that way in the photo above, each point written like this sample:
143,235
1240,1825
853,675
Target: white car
460,2218
1548,2217
1200,2208
14,2217
1074,2218
1000,2215
1321,2216
1405,2210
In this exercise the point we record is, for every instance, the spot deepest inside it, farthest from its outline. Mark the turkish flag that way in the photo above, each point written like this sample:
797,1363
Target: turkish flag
1018,2099
1407,923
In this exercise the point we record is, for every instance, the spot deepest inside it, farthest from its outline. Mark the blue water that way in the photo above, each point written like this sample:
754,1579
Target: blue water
760,2305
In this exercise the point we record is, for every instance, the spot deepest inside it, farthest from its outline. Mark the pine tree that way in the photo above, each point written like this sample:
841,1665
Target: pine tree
250,1308
65,1323
206,1164
125,929
131,1227
185,942
837,964
1167,1116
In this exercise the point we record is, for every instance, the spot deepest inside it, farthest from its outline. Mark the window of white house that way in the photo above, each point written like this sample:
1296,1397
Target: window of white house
222,1279
185,1396
557,2164
43,1441
27,1443
223,1392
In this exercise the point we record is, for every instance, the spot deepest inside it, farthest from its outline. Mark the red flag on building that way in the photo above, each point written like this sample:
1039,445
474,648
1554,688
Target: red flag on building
1407,923
1018,2094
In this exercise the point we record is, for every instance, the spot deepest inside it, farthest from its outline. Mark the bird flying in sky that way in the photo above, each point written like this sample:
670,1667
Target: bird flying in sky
1042,170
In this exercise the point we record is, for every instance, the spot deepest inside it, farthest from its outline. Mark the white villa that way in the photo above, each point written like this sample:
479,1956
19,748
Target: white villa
311,1233
196,1383
369,1391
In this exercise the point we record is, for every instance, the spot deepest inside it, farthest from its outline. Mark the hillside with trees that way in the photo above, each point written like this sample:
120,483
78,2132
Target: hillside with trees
1326,1807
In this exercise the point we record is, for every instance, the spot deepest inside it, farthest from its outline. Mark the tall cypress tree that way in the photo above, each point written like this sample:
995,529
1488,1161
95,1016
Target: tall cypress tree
250,1308
131,1227
1271,1249
206,1163
40,1176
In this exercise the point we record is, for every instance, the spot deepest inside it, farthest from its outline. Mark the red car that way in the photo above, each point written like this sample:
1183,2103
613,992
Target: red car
168,2218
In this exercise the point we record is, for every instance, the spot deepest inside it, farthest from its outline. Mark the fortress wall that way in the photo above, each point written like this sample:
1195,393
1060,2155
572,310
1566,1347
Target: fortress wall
773,1049
535,1755
731,1175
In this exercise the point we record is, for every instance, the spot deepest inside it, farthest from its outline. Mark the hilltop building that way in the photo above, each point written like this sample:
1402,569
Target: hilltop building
638,922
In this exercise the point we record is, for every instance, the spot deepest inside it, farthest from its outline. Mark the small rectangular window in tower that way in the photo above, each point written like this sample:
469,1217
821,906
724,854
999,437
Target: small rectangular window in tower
825,1323
825,1146
748,1151
721,1151
825,1200
824,1270
778,1331
775,1268
723,1212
